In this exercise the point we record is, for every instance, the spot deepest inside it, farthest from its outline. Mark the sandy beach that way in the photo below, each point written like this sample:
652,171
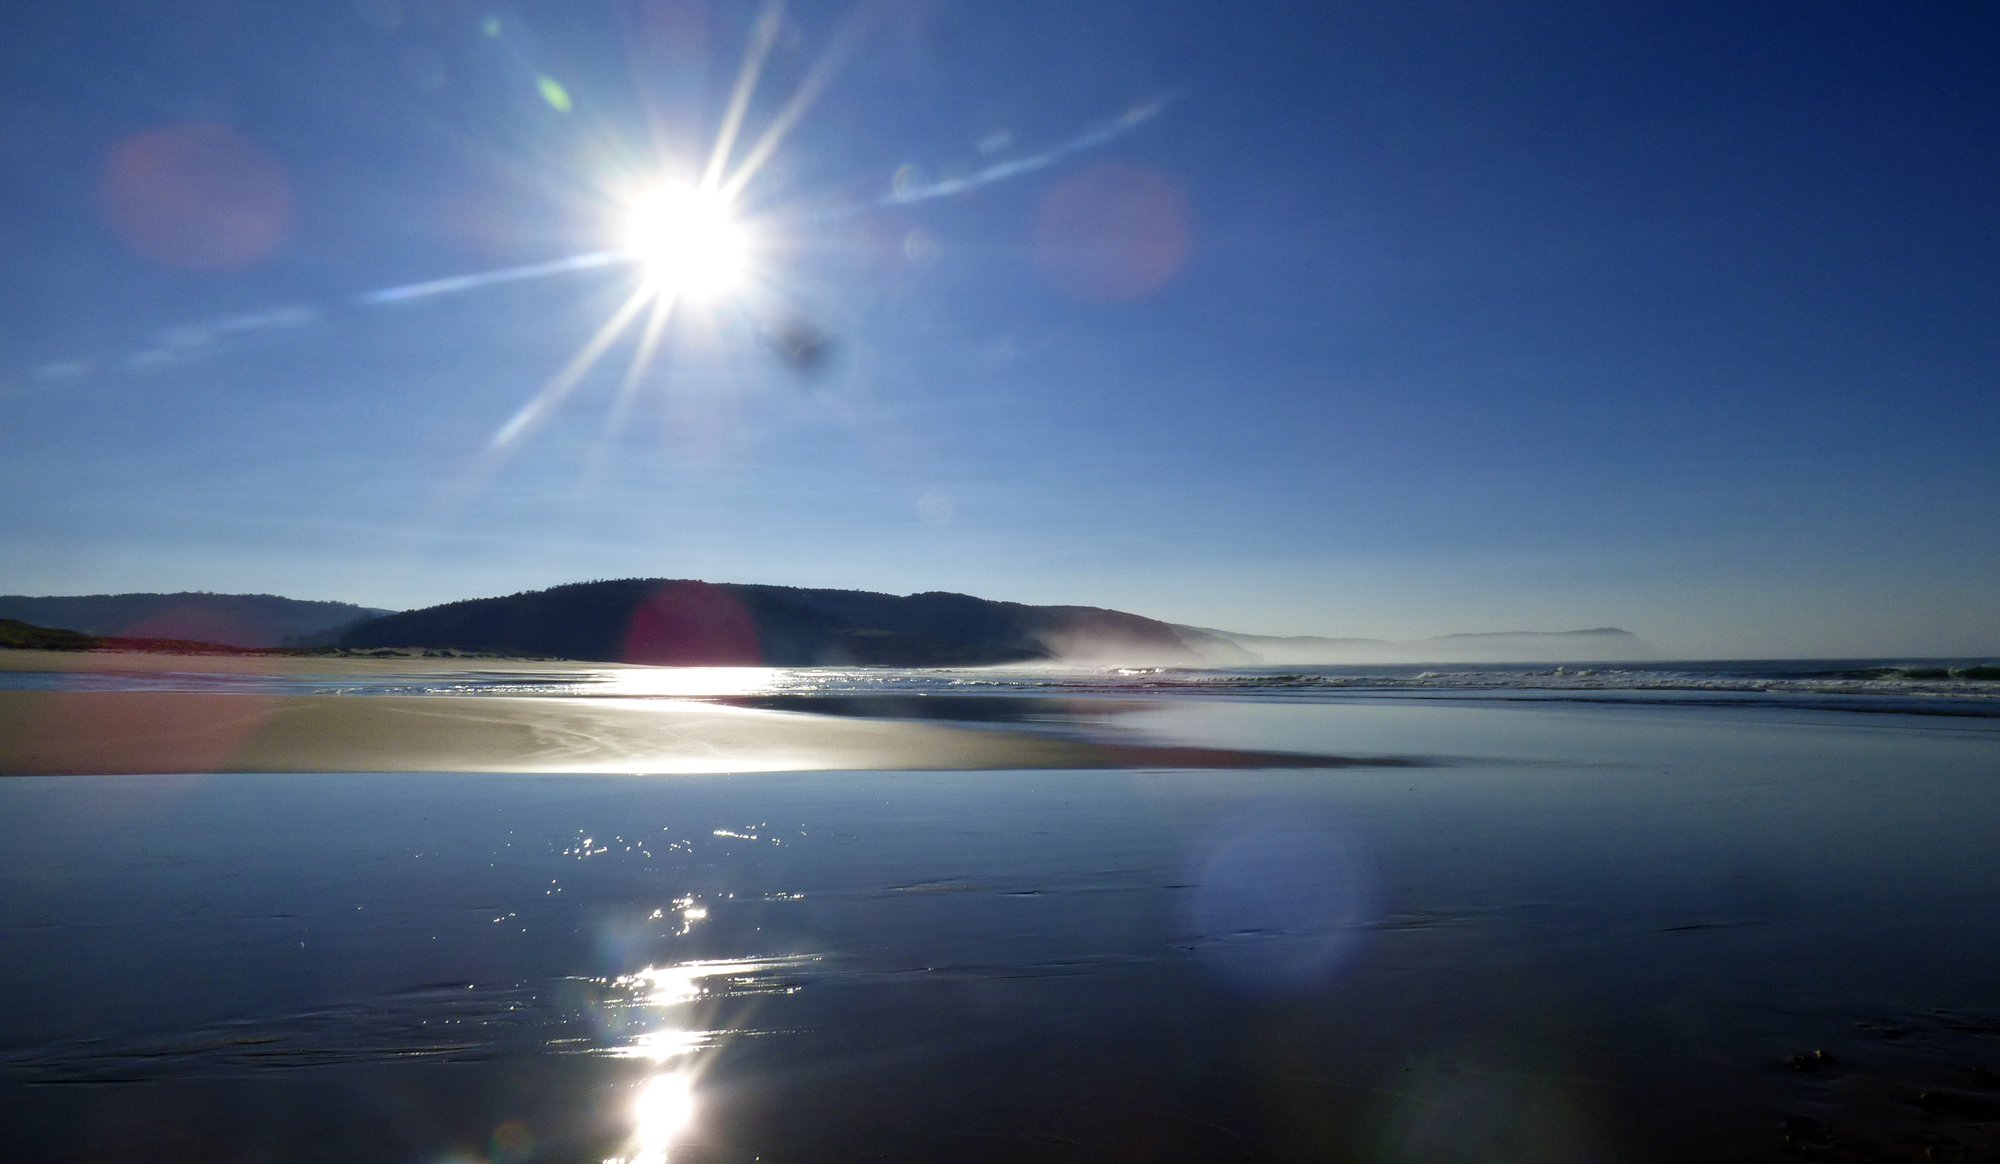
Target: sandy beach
110,732
83,733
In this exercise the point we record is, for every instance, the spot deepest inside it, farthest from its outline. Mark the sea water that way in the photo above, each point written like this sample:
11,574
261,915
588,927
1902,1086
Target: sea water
1735,913
1926,684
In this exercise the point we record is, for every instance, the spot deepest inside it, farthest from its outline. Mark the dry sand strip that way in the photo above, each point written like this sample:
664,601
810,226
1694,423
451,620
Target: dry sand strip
128,732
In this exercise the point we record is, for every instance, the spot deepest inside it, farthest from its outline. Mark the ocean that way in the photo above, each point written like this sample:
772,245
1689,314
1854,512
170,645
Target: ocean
1671,911
1969,686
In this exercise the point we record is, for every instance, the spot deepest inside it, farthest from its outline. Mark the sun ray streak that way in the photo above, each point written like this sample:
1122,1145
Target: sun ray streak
762,37
560,385
642,358
599,453
457,283
180,345
844,43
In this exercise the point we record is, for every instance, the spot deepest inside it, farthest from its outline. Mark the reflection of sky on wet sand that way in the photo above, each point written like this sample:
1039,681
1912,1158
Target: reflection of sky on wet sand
1608,944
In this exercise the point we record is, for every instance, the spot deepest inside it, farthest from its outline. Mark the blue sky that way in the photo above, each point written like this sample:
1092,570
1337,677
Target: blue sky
1452,317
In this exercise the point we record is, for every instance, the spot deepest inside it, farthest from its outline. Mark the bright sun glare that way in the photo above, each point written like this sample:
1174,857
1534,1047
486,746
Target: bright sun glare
688,241
664,1109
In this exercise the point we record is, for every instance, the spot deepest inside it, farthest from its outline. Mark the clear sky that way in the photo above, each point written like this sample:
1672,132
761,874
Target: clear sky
1385,319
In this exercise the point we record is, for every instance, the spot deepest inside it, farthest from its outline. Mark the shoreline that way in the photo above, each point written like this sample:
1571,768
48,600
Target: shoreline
62,733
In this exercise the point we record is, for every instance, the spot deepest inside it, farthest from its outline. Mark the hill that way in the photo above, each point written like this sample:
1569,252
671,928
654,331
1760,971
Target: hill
237,620
22,636
679,621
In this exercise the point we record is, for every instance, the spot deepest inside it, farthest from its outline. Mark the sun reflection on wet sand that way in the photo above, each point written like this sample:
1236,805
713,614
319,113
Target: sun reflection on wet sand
689,682
665,1106
662,1112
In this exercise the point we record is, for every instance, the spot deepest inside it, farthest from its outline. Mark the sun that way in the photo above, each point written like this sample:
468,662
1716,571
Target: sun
687,241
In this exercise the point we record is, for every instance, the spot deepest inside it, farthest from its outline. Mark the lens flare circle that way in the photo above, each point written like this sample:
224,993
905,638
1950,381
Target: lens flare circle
688,241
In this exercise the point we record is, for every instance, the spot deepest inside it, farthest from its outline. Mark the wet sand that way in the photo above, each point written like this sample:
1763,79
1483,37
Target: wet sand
1609,933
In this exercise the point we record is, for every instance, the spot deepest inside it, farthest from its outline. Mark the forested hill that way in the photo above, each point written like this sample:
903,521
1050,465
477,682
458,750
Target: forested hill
237,620
675,621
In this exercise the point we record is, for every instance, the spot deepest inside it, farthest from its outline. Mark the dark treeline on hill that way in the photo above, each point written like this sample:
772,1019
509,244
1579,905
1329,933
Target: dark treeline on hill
236,620
25,636
667,621
21,636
